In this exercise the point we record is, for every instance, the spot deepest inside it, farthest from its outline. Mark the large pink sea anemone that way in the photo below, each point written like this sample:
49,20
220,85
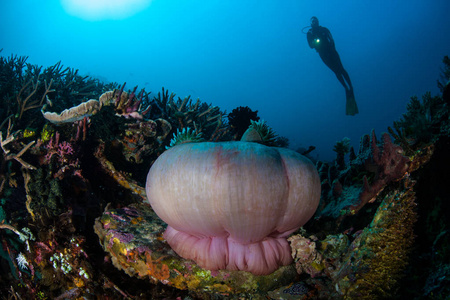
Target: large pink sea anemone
231,205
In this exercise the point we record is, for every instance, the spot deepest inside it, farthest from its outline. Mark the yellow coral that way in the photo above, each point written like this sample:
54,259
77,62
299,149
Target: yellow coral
29,133
386,245
78,282
46,133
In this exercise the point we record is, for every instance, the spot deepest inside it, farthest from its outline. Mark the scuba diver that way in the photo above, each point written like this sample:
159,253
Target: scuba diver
320,38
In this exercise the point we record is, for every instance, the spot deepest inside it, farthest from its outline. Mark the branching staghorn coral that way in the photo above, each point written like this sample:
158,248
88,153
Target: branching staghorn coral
181,113
21,86
24,87
27,92
129,104
8,156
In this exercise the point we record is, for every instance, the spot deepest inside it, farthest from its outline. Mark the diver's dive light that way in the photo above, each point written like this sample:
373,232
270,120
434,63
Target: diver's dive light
317,41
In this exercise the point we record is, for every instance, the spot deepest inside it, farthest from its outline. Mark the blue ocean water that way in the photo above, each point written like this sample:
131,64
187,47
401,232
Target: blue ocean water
247,53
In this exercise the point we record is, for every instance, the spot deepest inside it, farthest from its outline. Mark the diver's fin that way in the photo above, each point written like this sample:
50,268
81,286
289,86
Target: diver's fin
351,108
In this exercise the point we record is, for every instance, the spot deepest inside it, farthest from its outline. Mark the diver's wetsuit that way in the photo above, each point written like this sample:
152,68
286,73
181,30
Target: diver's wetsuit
320,38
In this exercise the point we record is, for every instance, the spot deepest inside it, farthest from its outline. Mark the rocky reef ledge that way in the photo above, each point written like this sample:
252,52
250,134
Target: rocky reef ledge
133,237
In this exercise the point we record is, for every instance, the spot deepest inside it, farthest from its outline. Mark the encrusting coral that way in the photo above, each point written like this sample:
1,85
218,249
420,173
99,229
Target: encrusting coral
132,236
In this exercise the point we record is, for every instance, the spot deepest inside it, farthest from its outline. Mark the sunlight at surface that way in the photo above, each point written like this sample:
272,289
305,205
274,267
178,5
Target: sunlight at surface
97,10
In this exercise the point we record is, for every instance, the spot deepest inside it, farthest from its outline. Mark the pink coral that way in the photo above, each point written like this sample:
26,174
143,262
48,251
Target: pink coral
389,165
61,150
66,160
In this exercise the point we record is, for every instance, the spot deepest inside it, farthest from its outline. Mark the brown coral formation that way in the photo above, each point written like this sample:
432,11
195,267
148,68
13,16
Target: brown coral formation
143,138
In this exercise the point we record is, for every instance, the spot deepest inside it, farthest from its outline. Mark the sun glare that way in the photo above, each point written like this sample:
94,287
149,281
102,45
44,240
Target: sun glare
96,10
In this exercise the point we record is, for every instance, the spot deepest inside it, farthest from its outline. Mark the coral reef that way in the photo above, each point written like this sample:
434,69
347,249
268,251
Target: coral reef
130,105
121,178
143,138
369,263
383,211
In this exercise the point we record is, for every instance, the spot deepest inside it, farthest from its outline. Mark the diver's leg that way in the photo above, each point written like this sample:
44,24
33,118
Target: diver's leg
340,77
335,64
347,78
333,61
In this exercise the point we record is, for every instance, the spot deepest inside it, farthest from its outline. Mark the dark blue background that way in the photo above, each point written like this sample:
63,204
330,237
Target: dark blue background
252,53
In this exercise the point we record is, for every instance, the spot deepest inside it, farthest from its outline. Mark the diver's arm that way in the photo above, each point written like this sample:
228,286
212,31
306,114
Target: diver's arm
329,37
309,37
